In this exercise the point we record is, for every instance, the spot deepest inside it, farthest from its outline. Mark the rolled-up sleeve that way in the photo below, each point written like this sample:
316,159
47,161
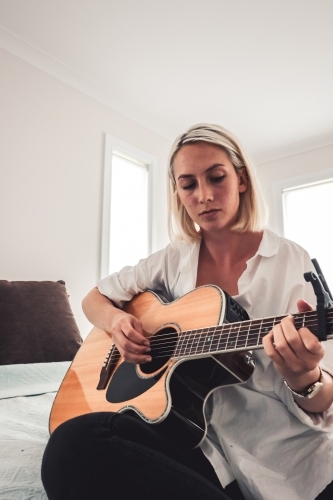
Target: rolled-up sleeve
157,272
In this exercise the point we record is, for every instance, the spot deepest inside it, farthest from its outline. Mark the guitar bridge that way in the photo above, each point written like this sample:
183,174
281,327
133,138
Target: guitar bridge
108,367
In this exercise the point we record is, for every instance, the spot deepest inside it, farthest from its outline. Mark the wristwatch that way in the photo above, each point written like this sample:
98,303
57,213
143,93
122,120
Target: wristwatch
310,391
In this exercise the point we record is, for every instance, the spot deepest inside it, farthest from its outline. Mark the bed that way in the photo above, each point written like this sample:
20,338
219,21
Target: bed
39,338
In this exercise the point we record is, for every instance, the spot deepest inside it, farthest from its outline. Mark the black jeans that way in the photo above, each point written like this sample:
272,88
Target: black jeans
117,456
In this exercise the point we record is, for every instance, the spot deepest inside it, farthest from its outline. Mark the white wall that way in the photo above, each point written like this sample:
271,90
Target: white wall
51,170
315,160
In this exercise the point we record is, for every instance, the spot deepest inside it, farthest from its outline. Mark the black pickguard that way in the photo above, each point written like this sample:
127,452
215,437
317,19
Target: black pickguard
126,384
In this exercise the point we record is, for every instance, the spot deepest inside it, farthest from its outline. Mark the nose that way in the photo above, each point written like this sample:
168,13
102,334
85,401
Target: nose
205,193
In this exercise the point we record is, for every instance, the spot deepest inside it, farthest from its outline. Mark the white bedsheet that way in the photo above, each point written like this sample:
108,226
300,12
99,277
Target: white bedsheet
26,396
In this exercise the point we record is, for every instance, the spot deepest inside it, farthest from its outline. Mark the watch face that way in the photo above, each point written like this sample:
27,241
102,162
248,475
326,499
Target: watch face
313,390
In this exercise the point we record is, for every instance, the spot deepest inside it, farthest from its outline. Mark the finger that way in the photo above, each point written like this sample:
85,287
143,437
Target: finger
133,331
137,325
135,358
270,348
302,341
130,346
300,349
303,306
131,351
125,340
287,340
311,342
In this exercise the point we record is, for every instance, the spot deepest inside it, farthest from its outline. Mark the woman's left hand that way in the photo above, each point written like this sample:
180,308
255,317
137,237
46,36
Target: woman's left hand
295,353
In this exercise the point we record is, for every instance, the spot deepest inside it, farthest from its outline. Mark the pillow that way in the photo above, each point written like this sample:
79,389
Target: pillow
36,323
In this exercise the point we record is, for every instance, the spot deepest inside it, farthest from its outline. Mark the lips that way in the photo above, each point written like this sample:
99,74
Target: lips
207,212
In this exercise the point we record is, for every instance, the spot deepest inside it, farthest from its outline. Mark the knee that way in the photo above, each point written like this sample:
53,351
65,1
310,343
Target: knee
69,453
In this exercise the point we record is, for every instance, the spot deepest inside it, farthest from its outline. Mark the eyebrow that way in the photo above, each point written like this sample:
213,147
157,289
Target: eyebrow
186,176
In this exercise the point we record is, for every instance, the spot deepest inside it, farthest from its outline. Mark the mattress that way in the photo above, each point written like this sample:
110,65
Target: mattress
26,396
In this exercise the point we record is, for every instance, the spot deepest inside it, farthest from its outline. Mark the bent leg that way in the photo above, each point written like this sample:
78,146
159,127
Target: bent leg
119,456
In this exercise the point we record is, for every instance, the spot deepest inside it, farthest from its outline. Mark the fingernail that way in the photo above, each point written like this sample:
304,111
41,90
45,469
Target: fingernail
148,359
148,349
146,343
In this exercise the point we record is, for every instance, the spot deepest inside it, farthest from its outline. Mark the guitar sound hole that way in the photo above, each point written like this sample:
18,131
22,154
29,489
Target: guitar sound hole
162,345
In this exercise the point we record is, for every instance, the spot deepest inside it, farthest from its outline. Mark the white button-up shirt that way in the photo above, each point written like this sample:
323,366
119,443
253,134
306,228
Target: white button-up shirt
267,442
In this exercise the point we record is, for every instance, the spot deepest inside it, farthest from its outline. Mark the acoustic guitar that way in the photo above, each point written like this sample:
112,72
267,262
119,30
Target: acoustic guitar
198,342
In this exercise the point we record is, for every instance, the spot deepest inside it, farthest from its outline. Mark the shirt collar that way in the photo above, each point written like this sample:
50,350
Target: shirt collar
269,244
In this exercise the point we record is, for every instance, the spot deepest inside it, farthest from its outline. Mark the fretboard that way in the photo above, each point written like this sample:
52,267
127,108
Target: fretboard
242,336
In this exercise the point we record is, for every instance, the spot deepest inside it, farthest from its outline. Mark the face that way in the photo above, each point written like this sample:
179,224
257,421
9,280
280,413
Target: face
208,185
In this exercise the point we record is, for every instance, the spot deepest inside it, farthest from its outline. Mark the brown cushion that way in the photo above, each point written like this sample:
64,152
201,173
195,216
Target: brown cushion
36,323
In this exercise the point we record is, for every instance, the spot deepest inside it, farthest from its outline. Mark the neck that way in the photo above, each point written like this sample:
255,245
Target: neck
240,336
230,245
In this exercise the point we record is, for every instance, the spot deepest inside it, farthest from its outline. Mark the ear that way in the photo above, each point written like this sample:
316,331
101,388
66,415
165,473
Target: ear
242,180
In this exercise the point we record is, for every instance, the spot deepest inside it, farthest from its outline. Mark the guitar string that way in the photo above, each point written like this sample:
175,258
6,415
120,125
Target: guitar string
213,340
212,331
226,329
212,344
246,326
229,327
243,326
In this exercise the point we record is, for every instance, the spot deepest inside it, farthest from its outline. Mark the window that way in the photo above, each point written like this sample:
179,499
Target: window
307,204
127,220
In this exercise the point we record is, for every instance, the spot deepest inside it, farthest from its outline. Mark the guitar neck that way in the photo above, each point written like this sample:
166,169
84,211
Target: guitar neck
241,336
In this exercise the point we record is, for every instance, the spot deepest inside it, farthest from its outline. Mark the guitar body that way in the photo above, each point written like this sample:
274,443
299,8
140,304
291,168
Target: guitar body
168,392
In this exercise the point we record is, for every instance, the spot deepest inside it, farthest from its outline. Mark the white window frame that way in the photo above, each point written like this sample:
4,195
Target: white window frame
292,182
113,145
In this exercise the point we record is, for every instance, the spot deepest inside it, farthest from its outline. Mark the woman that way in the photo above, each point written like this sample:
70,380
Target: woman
271,441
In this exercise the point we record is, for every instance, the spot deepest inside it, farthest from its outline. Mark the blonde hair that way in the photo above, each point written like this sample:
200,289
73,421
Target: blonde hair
252,213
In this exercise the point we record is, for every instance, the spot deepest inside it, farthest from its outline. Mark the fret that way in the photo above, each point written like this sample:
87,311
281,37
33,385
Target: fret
185,347
179,345
240,337
243,332
249,333
222,337
254,337
228,338
260,336
208,338
307,319
247,340
266,329
201,333
232,337
196,342
190,345
212,346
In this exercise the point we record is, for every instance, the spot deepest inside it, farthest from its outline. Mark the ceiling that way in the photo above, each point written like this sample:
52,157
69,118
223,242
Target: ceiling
262,68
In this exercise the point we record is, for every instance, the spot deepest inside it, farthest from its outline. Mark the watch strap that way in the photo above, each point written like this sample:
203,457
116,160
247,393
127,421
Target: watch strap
310,391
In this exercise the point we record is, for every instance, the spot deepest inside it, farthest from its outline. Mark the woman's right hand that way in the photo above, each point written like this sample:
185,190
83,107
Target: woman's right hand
125,329
127,334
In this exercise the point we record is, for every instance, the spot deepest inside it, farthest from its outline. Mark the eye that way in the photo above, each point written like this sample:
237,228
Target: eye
218,179
189,186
